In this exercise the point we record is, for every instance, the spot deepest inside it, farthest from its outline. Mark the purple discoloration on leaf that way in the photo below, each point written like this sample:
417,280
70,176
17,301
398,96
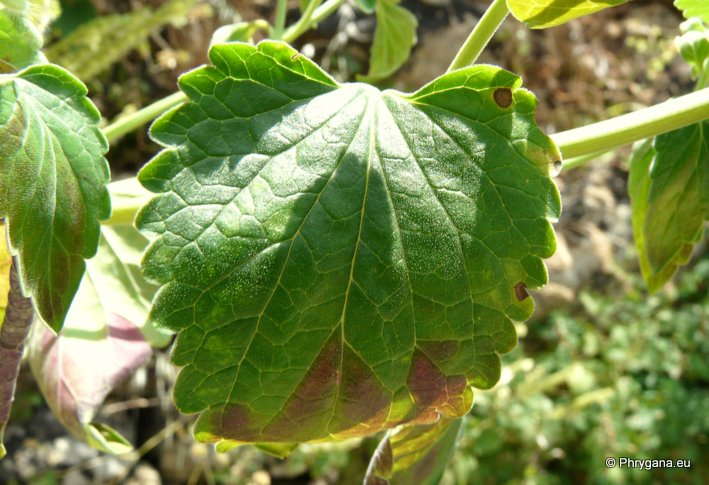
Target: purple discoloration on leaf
78,369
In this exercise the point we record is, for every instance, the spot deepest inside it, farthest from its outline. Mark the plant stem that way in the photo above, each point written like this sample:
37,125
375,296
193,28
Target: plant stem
130,122
13,334
280,24
307,21
481,35
303,24
655,120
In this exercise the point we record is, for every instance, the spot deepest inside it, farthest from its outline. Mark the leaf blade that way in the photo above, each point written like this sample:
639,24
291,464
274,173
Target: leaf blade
298,239
414,454
52,183
394,37
543,14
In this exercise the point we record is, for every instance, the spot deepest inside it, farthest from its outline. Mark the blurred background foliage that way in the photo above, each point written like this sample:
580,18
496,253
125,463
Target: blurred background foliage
602,369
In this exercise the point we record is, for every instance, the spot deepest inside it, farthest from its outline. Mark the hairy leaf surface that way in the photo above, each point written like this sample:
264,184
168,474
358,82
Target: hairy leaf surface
414,454
20,42
339,260
542,14
52,182
394,37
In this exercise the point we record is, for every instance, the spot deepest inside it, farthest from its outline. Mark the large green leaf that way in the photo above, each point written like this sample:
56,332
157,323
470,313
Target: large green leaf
339,260
52,182
414,454
669,189
542,14
394,37
694,8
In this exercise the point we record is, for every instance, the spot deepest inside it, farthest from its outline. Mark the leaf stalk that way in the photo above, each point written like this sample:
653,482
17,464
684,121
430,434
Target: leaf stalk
13,334
480,36
638,125
128,123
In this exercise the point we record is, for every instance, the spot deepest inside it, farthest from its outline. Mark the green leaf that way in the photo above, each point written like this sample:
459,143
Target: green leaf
694,8
238,32
20,42
694,46
96,45
394,37
40,12
366,6
638,190
542,14
52,182
339,260
669,190
414,454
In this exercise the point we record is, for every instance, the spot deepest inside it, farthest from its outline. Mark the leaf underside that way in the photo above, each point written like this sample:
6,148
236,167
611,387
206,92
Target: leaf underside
542,14
339,260
414,454
669,189
52,182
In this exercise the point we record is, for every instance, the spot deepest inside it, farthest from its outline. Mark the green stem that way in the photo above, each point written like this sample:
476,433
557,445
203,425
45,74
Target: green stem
130,122
655,120
481,35
280,24
306,23
303,24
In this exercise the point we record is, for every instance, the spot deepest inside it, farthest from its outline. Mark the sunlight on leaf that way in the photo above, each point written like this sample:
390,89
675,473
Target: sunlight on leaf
339,260
694,8
53,179
542,14
20,42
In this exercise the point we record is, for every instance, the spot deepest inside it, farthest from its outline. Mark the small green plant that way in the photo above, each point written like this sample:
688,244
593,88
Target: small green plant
335,260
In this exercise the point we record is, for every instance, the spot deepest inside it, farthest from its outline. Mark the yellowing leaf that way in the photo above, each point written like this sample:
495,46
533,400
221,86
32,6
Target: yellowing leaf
542,14
694,8
5,263
414,454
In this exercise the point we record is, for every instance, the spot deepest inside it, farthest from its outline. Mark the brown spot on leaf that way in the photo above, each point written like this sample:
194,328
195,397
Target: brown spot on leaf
521,291
503,97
